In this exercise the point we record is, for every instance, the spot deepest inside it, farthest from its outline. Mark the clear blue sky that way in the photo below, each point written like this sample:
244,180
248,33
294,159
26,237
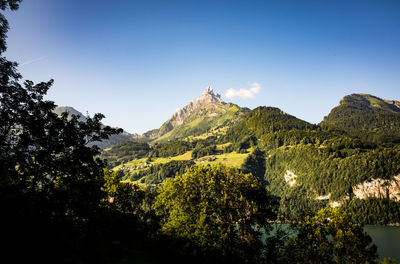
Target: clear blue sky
138,61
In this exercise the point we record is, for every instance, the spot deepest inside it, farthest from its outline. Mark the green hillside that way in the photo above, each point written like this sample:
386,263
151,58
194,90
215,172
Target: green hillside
210,118
367,116
263,120
300,174
307,166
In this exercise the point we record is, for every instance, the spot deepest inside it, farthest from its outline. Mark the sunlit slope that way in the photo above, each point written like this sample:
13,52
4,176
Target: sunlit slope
211,118
366,115
263,120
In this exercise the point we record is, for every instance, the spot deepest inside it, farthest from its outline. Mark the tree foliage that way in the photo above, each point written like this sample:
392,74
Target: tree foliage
124,152
329,237
217,208
367,117
255,164
376,211
264,120
158,173
334,167
50,179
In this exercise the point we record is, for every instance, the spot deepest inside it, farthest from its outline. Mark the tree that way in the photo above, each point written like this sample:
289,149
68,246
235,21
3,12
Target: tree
42,152
125,197
50,179
255,164
217,208
329,237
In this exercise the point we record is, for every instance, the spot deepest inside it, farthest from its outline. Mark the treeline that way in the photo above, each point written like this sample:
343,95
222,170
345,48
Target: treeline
130,150
368,118
170,149
325,159
264,120
196,216
325,170
125,151
382,128
158,173
373,211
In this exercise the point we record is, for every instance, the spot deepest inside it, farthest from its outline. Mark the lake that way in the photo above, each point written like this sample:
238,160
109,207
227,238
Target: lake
387,239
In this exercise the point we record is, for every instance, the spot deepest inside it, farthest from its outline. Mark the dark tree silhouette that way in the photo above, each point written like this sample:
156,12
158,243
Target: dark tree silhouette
50,181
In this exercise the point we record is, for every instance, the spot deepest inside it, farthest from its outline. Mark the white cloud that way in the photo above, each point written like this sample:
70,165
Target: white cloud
244,93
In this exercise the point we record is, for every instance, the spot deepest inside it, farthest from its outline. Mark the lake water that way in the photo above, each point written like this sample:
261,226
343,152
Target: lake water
387,239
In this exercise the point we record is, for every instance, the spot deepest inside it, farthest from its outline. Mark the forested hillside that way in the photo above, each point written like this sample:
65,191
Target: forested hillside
307,166
367,117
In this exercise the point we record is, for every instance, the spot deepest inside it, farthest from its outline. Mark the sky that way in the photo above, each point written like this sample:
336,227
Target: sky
137,62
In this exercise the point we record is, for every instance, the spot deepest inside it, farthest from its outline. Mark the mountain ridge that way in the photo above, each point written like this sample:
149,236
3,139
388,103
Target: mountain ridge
112,140
306,165
209,104
366,115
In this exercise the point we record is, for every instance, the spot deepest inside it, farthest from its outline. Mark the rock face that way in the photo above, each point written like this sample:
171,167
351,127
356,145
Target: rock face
379,188
179,117
323,197
290,178
208,97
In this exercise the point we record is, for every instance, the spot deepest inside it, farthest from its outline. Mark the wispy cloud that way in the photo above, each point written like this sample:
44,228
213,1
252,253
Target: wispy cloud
244,93
32,61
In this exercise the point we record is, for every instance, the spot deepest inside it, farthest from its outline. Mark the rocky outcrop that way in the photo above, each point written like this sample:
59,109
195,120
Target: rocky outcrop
179,117
290,178
379,188
208,97
323,197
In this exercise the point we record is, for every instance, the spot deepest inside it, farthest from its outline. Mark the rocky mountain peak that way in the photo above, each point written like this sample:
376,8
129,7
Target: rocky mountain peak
210,91
208,97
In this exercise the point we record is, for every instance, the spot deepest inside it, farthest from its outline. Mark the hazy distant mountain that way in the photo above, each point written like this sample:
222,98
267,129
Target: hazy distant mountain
124,136
72,111
363,114
206,113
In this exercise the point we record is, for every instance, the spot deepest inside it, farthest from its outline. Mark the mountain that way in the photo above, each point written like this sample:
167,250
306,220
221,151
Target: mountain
114,139
263,120
207,113
71,111
308,166
366,116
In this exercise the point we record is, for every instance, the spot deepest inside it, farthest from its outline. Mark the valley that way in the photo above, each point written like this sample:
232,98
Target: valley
98,165
354,151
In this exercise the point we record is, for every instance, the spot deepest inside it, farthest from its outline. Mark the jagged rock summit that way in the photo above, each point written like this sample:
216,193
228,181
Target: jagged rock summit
206,112
208,97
